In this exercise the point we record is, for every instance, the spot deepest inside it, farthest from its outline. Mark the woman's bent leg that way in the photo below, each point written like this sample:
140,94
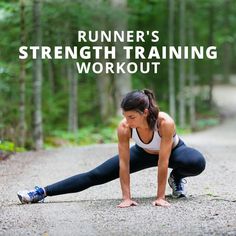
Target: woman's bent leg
107,171
186,161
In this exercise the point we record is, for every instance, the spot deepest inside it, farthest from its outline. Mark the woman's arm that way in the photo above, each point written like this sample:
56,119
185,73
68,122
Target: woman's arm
167,132
124,157
124,160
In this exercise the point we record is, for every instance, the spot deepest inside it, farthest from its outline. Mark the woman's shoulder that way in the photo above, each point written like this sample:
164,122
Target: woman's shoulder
165,121
163,116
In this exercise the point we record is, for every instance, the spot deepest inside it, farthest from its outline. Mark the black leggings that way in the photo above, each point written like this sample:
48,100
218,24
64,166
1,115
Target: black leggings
184,161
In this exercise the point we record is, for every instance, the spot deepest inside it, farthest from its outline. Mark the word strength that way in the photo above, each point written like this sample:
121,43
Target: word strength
117,52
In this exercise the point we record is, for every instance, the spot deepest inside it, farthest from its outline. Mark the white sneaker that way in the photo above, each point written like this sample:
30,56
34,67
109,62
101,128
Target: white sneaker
33,196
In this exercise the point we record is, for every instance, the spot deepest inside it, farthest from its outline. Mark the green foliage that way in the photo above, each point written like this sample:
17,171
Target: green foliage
182,131
60,22
205,123
7,146
207,116
85,136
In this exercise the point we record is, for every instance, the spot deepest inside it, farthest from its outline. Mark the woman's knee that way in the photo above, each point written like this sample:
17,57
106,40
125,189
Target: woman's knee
198,163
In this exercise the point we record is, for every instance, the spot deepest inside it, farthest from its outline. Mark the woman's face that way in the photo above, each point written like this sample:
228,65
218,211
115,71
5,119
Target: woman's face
134,118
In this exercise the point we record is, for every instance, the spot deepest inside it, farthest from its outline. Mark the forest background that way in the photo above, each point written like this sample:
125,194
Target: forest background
46,103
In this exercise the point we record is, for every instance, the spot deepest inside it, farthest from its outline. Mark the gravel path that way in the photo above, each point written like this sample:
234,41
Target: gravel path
209,210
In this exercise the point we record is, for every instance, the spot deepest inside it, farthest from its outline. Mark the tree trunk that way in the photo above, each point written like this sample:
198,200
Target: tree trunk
211,42
37,78
104,81
122,81
227,46
22,122
192,105
171,78
226,61
182,103
73,94
51,76
104,87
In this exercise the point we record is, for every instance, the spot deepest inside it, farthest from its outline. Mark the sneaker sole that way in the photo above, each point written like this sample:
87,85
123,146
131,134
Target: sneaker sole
22,199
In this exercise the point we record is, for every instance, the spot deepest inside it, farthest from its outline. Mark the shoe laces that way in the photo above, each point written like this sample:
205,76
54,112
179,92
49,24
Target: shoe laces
179,184
37,193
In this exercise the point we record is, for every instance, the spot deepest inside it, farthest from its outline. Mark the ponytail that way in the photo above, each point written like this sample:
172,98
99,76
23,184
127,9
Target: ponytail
139,101
153,109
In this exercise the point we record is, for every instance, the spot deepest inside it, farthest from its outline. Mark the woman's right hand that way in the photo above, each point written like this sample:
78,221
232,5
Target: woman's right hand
127,203
161,202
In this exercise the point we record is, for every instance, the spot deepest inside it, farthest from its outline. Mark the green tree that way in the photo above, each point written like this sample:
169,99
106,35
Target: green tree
37,78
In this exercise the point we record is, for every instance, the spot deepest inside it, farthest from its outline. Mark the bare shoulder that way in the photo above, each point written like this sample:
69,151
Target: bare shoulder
166,123
165,118
123,130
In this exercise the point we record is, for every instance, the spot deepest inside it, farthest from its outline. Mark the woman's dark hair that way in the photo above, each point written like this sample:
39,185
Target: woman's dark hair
139,101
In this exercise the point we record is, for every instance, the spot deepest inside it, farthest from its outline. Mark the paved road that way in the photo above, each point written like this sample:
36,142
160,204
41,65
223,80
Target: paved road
209,210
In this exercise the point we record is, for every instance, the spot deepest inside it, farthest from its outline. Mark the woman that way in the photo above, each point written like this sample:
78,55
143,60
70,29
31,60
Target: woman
157,144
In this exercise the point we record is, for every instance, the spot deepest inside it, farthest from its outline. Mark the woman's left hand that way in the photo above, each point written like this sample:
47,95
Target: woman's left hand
161,202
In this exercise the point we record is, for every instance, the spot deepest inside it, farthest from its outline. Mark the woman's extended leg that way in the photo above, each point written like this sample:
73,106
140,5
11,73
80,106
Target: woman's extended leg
107,171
